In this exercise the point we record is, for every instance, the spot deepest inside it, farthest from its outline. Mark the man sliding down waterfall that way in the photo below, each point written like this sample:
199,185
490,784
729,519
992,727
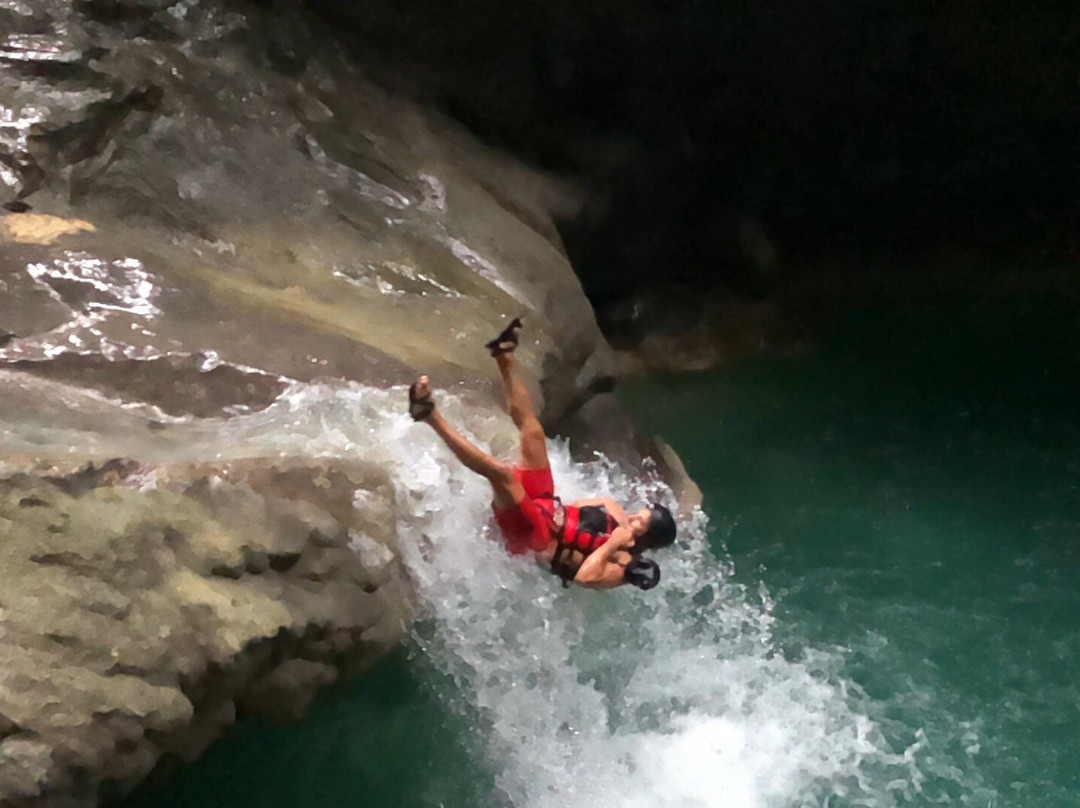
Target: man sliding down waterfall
593,542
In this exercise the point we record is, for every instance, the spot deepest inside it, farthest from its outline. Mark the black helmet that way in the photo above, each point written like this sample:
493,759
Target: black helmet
661,531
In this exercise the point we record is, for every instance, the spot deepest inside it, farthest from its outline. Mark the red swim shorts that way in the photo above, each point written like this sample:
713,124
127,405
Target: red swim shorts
526,526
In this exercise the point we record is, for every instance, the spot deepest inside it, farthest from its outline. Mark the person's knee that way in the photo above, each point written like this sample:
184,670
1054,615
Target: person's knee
505,488
501,474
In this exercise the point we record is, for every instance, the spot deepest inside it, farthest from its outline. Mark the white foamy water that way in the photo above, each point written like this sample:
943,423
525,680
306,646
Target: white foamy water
677,697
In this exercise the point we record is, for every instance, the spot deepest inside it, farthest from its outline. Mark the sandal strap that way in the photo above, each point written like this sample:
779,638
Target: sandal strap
420,408
507,339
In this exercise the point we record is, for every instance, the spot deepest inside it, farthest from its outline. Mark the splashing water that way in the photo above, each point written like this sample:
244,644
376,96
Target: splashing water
646,700
677,697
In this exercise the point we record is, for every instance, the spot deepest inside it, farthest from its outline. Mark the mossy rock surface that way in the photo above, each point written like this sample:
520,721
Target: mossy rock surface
137,619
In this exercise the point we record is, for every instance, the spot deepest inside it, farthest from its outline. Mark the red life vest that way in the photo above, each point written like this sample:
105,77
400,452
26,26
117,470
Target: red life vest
583,530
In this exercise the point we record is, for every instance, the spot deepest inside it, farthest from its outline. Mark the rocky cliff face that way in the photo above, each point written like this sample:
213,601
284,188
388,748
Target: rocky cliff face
144,607
749,148
223,247
229,163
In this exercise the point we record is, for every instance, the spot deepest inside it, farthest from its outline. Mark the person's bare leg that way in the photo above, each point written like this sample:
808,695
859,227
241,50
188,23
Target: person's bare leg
506,490
533,441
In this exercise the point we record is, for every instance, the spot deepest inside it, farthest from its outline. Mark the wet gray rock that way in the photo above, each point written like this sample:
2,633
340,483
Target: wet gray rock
206,218
257,203
155,628
286,692
602,426
713,331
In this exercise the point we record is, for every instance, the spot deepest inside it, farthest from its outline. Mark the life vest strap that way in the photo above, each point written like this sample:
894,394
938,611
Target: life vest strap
572,537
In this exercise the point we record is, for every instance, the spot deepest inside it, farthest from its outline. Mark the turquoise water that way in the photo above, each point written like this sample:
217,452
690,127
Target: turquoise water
383,741
909,496
904,502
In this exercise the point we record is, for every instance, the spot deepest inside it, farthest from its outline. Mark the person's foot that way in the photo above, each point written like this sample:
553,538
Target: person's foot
420,403
507,341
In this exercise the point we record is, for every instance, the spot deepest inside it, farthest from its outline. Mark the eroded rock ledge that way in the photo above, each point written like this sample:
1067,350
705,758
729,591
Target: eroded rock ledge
145,608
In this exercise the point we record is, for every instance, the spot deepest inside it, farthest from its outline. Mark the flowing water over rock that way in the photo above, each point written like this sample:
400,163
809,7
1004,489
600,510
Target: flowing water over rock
239,249
679,697
262,212
675,698
884,616
223,247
